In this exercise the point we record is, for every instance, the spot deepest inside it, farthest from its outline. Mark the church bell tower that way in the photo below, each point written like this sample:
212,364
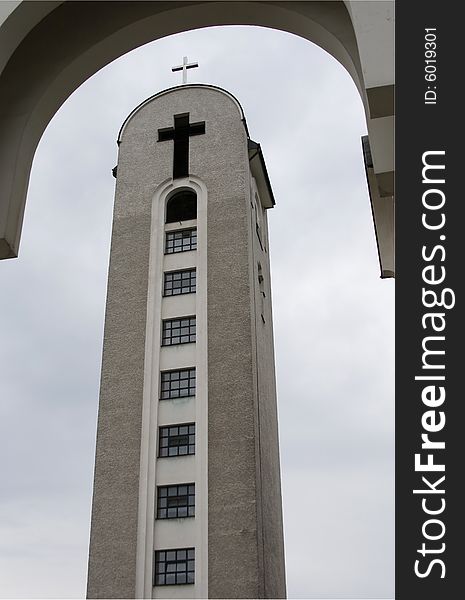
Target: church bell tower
187,492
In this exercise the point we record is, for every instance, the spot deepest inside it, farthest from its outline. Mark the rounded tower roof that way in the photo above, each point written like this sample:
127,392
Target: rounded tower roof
178,88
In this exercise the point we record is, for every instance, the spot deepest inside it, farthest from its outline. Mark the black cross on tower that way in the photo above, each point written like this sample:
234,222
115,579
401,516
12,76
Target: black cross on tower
180,133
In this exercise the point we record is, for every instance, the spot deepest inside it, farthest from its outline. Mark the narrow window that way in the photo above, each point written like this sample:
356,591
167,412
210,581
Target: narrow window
179,282
181,207
176,501
174,567
177,384
258,221
176,440
178,331
180,241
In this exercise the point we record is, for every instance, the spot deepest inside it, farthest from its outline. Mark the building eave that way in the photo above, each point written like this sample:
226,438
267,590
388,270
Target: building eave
382,210
260,173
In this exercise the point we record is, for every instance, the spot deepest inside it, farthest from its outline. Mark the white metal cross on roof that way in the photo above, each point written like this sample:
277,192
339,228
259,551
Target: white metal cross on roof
185,65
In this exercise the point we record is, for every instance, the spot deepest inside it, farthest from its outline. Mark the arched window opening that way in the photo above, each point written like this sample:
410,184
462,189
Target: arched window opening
181,207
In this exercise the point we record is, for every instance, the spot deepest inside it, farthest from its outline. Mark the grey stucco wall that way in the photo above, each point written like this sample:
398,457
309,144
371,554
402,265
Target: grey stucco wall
244,521
267,442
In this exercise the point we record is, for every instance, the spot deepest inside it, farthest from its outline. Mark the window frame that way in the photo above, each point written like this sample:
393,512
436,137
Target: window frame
176,196
182,499
169,277
190,434
171,389
191,326
170,248
177,560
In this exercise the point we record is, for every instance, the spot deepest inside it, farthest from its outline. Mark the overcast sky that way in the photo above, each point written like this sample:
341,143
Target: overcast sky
333,318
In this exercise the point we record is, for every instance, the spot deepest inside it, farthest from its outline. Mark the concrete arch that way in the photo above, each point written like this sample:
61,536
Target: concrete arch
47,49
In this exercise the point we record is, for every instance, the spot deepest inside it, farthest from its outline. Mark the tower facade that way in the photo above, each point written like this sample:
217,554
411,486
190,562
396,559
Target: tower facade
187,493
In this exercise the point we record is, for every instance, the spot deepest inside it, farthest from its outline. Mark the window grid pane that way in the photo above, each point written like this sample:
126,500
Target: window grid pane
178,331
180,241
176,501
174,567
179,282
176,440
177,384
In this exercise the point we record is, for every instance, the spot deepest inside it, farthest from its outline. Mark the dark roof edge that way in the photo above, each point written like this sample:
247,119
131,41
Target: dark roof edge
366,151
256,146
